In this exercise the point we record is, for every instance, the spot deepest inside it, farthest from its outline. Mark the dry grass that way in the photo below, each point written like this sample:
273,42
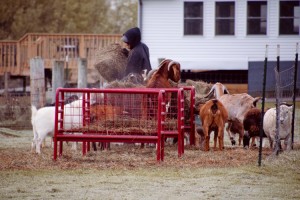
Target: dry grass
128,172
127,156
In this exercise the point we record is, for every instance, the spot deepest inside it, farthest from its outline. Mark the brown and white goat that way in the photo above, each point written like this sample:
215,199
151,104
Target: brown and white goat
235,127
167,70
237,105
213,116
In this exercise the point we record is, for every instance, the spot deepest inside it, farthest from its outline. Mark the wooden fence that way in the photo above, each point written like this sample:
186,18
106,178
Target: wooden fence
16,55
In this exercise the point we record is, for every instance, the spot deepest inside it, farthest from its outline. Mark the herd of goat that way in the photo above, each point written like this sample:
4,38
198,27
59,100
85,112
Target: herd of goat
237,113
243,118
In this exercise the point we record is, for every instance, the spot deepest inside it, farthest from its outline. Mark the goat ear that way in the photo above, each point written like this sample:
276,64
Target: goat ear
291,108
256,99
285,103
225,90
174,71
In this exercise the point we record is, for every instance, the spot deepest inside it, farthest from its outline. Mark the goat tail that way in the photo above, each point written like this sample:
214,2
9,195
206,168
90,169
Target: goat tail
214,107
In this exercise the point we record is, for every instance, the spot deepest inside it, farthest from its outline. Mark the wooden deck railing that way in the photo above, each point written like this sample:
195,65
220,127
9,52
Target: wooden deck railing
16,55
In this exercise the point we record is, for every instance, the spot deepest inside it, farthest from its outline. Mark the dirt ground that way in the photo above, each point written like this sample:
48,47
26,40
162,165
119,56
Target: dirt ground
128,172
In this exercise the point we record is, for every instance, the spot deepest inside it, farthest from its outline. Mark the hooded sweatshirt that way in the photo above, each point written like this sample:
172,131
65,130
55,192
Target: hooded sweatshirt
138,58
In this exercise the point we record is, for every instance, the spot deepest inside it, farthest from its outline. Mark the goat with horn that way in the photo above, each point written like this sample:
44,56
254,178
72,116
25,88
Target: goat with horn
237,106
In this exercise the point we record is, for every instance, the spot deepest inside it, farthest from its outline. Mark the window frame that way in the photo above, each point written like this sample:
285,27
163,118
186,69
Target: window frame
230,19
260,19
187,20
283,26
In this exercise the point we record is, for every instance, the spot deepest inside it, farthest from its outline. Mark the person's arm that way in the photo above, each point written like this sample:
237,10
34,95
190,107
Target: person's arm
134,62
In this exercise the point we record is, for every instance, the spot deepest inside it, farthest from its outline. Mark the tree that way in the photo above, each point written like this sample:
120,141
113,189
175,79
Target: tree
124,15
8,9
19,17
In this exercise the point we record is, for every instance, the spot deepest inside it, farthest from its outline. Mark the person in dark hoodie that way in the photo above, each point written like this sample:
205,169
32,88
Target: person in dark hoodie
138,57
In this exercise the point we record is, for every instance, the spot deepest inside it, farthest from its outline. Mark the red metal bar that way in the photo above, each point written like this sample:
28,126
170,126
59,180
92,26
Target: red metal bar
191,126
180,117
56,120
179,133
160,141
88,135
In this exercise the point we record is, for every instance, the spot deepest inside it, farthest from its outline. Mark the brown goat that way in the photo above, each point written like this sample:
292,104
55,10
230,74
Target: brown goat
252,125
167,69
100,114
235,127
213,116
105,112
160,78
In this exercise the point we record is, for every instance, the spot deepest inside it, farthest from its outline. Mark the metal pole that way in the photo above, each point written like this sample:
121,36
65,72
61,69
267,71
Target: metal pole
263,107
294,95
277,76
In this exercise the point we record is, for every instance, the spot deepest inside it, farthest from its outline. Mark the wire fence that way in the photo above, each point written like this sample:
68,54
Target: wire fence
16,111
285,93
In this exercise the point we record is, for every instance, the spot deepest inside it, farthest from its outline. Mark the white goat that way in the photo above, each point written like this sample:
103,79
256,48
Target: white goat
269,125
237,106
42,121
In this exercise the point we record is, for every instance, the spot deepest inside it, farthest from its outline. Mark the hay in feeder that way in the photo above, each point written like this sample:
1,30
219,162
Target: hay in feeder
123,84
201,90
111,62
201,87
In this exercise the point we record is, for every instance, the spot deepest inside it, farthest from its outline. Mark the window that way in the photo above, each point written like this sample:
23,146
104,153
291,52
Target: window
193,18
289,17
224,18
257,18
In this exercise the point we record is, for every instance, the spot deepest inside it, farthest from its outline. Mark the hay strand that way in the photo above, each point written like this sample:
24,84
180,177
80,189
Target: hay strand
111,62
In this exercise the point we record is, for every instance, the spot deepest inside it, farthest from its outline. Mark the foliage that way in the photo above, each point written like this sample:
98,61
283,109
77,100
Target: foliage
19,17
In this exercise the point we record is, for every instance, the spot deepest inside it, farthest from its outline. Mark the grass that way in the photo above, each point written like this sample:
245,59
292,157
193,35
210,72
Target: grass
276,179
132,173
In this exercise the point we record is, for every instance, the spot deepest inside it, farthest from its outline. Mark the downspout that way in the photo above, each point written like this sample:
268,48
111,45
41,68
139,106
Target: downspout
140,15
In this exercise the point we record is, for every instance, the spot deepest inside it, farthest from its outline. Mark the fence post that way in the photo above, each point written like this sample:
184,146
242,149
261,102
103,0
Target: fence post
82,73
57,77
6,81
37,82
263,107
294,94
278,101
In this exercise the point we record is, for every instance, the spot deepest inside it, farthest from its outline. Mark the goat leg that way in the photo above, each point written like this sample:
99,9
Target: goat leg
221,139
215,140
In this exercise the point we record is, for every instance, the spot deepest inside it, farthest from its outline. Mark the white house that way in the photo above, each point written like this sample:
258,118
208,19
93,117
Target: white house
220,34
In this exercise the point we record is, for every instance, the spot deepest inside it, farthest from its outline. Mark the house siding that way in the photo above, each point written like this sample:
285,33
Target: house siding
162,31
